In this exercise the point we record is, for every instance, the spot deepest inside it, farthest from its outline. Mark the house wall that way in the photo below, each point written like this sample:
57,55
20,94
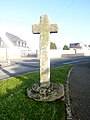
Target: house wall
14,53
9,53
68,53
3,53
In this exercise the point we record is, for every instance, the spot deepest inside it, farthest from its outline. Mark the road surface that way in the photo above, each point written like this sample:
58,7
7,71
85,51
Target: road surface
79,89
25,66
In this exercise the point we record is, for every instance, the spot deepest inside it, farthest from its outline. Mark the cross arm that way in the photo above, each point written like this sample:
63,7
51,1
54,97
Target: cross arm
53,28
35,29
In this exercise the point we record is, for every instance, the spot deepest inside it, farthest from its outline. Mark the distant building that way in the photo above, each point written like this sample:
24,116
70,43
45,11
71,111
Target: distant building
78,46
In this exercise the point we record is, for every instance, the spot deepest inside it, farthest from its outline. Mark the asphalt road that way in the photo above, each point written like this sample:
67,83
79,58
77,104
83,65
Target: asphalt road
79,86
24,66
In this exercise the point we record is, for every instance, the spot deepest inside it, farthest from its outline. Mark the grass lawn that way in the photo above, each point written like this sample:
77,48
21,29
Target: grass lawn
15,105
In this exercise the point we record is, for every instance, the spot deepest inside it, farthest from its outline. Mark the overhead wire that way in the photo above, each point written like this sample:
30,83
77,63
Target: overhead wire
67,8
18,22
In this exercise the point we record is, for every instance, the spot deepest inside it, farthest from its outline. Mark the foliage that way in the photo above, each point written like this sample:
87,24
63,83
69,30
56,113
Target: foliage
53,45
15,105
66,47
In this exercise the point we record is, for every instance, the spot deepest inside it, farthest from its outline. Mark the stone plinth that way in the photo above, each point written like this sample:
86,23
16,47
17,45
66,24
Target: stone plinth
52,93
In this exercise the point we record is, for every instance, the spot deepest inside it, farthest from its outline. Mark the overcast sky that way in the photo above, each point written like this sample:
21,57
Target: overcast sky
71,16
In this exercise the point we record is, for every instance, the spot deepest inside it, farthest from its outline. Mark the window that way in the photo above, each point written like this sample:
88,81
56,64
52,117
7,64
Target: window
18,43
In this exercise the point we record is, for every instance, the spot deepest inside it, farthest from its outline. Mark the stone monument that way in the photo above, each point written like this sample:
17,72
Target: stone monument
45,91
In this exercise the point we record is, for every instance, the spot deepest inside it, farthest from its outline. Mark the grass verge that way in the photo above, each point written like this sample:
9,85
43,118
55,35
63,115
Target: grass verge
15,105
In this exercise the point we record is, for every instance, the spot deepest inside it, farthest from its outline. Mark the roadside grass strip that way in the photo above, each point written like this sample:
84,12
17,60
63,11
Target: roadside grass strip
15,104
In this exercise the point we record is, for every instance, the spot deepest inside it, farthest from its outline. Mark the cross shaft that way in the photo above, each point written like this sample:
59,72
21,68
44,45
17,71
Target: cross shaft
44,29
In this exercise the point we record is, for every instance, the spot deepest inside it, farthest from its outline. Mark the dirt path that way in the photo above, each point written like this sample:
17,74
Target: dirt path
79,83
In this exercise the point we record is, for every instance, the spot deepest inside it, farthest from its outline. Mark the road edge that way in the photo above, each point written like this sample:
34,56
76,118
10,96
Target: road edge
67,98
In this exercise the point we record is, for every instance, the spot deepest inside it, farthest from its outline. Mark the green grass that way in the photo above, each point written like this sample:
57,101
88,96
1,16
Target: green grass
15,105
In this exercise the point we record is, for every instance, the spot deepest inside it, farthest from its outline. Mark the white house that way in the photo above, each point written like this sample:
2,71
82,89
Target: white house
80,48
12,47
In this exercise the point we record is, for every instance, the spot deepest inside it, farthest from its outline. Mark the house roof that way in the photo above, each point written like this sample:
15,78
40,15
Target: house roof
75,45
15,39
78,45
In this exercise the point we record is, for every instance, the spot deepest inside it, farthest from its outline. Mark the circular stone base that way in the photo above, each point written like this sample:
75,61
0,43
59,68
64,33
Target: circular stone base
53,92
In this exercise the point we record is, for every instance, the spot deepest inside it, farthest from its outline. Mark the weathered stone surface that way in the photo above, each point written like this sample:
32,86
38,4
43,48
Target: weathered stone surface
44,29
53,92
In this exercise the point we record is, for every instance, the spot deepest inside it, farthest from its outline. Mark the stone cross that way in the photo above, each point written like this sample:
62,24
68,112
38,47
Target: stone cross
44,29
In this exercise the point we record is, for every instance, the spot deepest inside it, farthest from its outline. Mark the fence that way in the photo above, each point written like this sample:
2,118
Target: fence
14,53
